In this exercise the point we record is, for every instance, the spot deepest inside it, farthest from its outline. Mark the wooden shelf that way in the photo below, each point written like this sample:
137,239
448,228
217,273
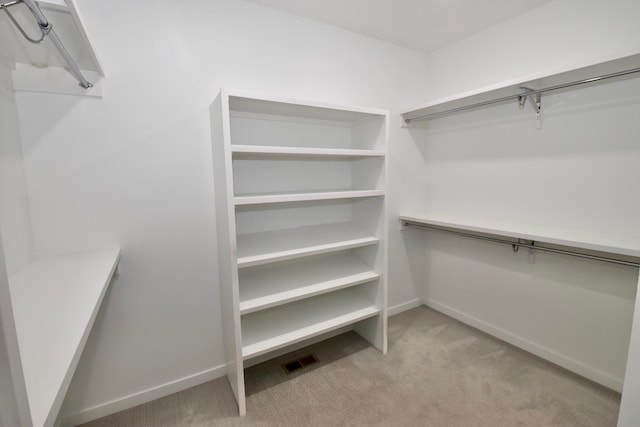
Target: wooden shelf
279,151
272,329
627,245
266,287
55,302
282,245
257,199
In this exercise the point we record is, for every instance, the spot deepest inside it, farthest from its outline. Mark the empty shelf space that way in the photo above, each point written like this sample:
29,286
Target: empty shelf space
256,199
269,286
55,302
271,246
281,151
278,108
272,329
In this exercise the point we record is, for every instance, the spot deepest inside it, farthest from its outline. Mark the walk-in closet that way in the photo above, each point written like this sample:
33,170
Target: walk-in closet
271,212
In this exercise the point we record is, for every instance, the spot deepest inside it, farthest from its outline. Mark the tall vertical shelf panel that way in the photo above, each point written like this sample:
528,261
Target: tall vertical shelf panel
300,211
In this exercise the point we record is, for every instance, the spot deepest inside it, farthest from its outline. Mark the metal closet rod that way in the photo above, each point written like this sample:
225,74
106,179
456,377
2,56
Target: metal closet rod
519,243
527,92
47,31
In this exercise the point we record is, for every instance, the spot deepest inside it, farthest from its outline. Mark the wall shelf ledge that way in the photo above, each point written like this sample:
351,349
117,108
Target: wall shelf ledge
519,90
618,249
55,302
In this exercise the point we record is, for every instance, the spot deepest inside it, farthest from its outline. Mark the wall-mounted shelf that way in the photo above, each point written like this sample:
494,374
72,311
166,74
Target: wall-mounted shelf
625,246
41,68
55,302
519,91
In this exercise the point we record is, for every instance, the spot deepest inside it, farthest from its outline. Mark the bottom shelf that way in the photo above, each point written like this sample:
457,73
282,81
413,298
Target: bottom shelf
269,330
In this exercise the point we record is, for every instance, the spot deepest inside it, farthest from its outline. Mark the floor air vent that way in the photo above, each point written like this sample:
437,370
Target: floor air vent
298,364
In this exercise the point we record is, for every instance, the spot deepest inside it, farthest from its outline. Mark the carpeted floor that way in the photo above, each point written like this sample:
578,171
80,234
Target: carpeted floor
438,372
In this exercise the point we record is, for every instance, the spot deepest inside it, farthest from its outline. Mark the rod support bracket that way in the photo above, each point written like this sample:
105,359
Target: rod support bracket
45,29
534,99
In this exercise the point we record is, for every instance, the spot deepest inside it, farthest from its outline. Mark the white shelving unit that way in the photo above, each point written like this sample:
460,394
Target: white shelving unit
300,192
55,302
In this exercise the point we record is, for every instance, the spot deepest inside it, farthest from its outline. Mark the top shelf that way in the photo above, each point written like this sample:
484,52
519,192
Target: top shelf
513,88
245,102
55,302
580,239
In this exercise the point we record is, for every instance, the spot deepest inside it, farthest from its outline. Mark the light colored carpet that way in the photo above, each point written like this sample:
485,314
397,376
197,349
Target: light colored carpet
438,372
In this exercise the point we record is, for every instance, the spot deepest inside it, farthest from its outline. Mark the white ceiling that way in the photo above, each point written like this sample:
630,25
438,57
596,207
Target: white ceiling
424,25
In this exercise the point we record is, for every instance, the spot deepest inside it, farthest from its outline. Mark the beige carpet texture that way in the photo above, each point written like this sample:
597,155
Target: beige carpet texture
438,372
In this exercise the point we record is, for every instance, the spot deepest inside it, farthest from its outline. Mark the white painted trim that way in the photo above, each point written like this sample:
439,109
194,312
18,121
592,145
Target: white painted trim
405,306
135,399
540,351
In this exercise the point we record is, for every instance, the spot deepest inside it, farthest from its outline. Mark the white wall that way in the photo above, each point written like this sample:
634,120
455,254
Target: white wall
14,236
629,409
9,415
14,406
134,169
14,209
579,171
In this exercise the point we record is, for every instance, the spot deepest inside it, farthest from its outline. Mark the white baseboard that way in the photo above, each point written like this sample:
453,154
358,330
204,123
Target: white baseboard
126,402
397,309
540,351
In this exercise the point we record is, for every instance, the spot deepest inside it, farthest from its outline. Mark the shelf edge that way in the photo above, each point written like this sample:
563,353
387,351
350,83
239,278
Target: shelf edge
253,305
259,348
249,261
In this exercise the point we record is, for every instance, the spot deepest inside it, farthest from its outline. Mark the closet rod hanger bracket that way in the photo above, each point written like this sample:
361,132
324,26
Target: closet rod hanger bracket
535,99
46,28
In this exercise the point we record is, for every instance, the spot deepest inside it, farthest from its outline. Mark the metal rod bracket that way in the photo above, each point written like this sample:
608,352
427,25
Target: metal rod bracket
45,29
535,99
